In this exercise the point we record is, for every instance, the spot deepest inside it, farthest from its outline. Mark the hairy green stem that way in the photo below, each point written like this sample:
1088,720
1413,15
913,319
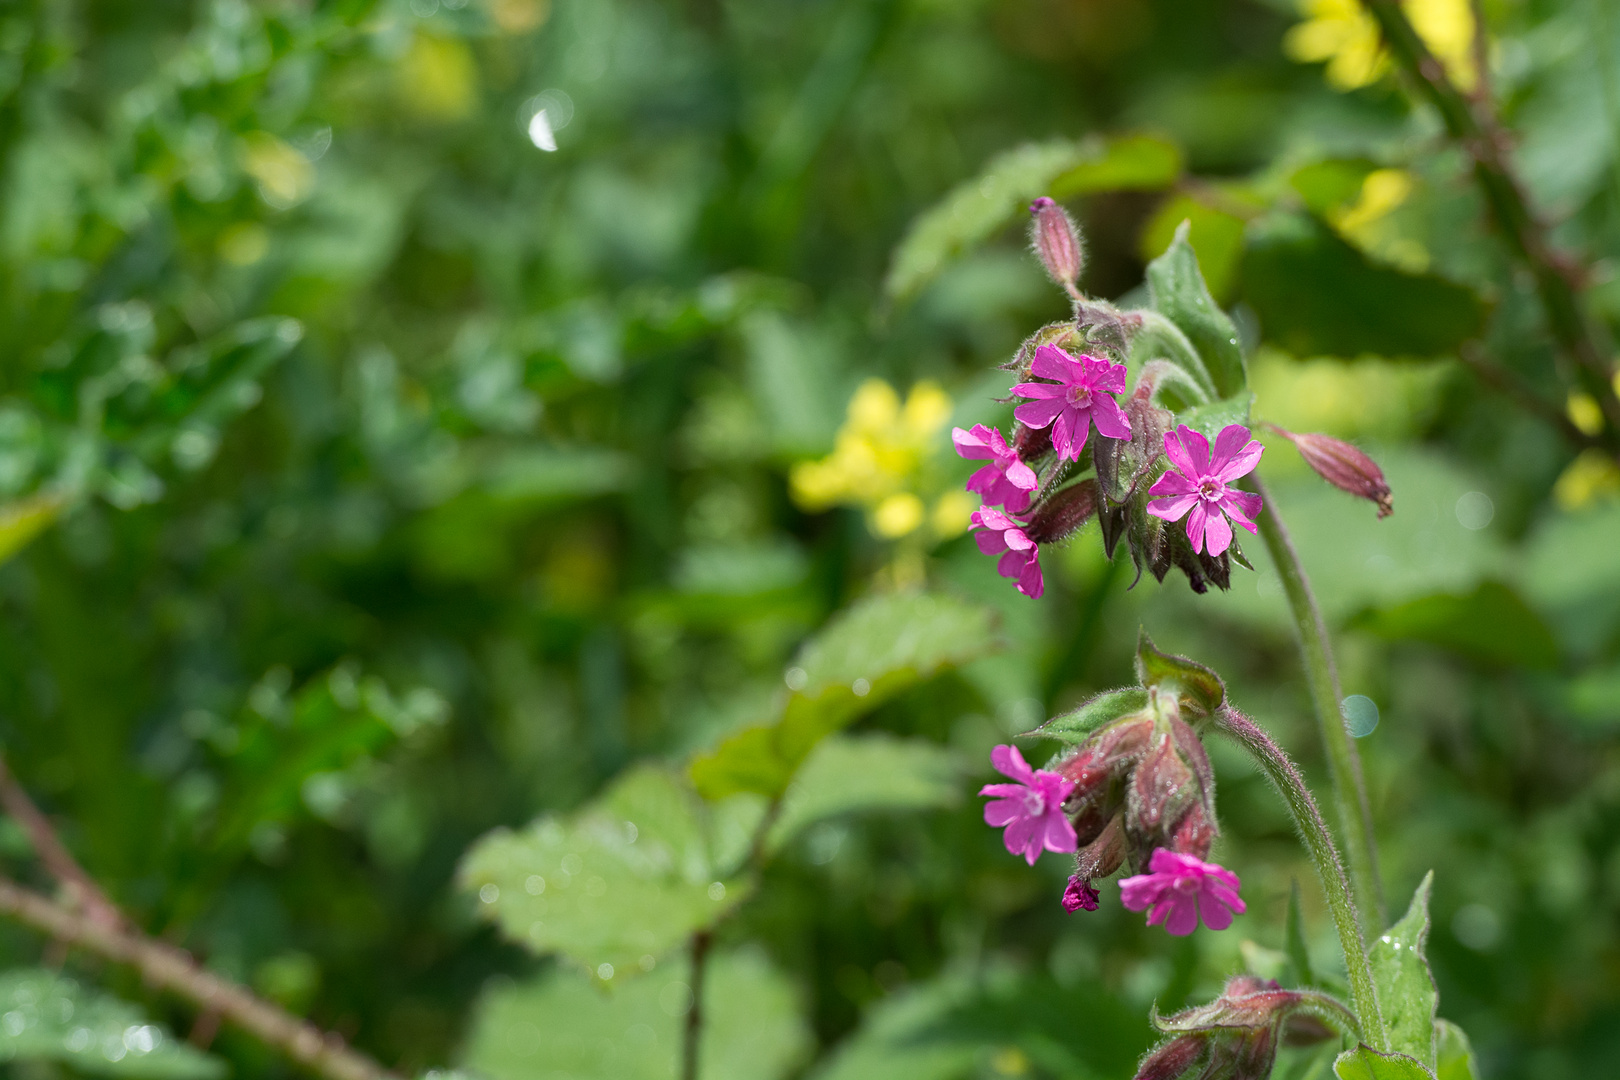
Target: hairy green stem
1314,831
1473,125
1344,764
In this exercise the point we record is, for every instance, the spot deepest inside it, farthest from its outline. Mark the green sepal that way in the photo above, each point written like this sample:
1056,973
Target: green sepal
1198,688
1078,724
1406,991
1454,1057
1179,293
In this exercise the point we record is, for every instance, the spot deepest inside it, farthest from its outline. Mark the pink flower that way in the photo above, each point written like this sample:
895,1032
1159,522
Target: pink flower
1081,396
1022,560
1006,481
1196,488
1079,894
1031,810
1180,887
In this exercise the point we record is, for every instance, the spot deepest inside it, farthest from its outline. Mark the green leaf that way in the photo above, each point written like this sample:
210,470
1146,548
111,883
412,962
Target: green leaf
876,772
1294,939
620,882
1492,624
1317,295
1210,418
1179,293
539,474
1160,339
1197,686
1002,192
873,651
1076,725
1365,1063
1406,991
46,1016
563,1025
1454,1057
1215,235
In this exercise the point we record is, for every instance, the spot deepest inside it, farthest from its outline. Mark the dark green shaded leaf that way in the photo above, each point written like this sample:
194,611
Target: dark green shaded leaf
1317,295
1492,624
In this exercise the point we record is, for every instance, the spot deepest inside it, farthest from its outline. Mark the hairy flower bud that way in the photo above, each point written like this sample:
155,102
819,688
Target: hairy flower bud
1060,514
1235,1037
1343,466
1031,443
1056,241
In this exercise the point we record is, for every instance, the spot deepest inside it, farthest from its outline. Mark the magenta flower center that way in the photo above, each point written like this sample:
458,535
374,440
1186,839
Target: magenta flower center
1210,489
1079,395
1187,884
1034,802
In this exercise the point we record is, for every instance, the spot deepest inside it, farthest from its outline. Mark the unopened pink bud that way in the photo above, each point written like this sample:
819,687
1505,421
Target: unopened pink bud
1079,895
1056,241
1343,466
1059,515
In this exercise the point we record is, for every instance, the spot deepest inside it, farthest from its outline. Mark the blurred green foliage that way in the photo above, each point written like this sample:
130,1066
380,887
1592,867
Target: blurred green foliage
377,479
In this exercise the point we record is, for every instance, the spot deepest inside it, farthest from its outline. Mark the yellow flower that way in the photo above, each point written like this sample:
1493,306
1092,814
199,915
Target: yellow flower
1585,413
878,456
952,513
1342,33
1363,221
284,175
1590,477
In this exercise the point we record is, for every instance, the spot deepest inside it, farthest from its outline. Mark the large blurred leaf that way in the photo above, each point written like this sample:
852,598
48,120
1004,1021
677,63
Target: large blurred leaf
1002,192
618,883
1492,624
1317,295
848,774
1406,992
46,1016
1570,572
1179,294
864,657
563,1025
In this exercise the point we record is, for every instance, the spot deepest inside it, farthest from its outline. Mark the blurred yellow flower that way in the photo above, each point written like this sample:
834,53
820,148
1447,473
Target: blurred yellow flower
877,459
285,176
952,513
1590,477
1585,413
1364,222
1342,33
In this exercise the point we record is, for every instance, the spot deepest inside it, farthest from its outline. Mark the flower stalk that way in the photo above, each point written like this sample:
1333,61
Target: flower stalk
1319,842
1344,764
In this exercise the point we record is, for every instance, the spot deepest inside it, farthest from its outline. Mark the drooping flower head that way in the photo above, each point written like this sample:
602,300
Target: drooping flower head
1020,556
1006,481
1196,485
1031,810
1082,395
1180,888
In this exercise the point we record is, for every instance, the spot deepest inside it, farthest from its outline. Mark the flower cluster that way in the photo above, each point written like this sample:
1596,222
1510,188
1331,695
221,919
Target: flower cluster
1235,1037
1138,791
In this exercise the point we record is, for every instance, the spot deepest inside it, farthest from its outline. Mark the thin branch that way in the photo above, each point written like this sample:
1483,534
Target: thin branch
92,921
693,1034
1515,386
169,968
1474,126
81,888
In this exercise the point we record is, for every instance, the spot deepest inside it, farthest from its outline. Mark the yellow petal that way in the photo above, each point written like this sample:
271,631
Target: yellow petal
897,515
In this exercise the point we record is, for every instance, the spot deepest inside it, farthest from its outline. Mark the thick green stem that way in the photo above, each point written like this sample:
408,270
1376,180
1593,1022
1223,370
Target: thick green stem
1350,790
1314,831
1473,125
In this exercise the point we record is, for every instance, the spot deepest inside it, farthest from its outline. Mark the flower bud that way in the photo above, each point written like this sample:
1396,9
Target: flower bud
1237,1034
1056,241
1060,514
1079,895
1343,466
1032,443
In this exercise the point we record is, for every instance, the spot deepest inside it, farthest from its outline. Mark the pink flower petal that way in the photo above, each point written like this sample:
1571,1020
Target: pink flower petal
1228,444
1215,914
1183,915
1173,483
1105,374
1052,362
1242,463
1030,582
1141,892
1022,476
1009,762
1197,450
1172,509
991,542
1242,507
1018,540
1080,421
1020,839
1197,518
1060,836
1038,414
972,444
1177,453
1005,791
1004,811
1109,417
1217,533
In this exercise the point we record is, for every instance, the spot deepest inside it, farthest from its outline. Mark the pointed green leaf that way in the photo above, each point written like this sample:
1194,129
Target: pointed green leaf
1179,293
1160,339
1294,939
876,772
1454,1057
873,651
50,1017
1365,1063
1210,418
628,877
1198,688
1406,990
1215,235
1076,725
